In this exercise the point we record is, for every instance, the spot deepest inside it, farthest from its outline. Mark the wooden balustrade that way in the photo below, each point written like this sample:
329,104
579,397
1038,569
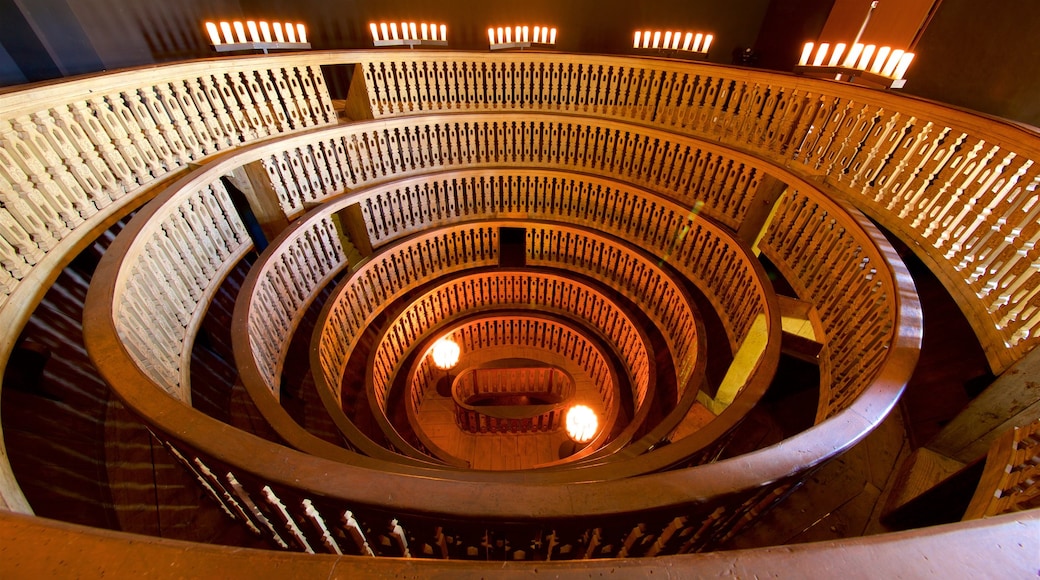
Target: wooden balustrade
180,251
958,188
551,385
471,420
833,265
513,331
694,508
72,150
509,290
635,276
1011,478
297,519
547,381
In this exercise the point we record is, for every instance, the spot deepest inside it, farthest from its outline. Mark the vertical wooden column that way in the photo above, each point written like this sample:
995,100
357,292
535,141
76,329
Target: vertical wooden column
350,225
764,198
359,104
252,179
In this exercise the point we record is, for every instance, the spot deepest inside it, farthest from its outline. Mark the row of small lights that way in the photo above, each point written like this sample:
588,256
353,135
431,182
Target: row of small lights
886,62
505,35
412,33
691,42
864,58
258,33
386,33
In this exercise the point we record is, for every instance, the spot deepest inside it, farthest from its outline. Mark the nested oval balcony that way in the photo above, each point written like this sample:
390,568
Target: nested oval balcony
648,189
856,295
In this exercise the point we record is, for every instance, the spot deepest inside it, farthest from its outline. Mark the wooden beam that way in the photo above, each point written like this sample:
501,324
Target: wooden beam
1013,400
761,206
350,224
252,179
359,105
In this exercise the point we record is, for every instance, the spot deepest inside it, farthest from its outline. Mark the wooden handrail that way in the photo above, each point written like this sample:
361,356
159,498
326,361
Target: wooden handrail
737,488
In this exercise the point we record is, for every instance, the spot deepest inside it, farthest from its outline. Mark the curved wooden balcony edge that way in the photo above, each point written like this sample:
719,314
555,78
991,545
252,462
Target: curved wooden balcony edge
1007,545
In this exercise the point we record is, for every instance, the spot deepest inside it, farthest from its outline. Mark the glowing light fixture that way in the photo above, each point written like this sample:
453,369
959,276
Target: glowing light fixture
445,354
581,423
411,34
685,44
880,66
506,37
229,36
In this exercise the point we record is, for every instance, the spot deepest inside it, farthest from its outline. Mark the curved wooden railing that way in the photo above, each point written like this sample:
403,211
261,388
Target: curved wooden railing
704,504
553,384
958,188
504,333
505,289
561,247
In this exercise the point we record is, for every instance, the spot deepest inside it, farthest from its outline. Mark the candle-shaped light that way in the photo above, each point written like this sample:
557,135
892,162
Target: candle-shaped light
501,35
225,29
411,28
806,54
667,39
278,35
707,42
552,36
854,52
509,35
290,32
240,32
657,39
426,31
676,38
301,32
491,35
821,53
265,30
893,61
444,32
697,40
536,38
214,34
839,50
393,31
516,33
254,33
404,30
864,59
904,63
687,41
879,61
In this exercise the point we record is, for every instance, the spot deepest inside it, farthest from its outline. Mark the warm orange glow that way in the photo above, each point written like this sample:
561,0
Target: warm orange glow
581,423
672,40
445,353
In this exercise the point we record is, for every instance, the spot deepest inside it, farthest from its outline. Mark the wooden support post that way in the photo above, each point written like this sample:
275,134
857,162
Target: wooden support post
255,184
350,224
359,104
763,200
